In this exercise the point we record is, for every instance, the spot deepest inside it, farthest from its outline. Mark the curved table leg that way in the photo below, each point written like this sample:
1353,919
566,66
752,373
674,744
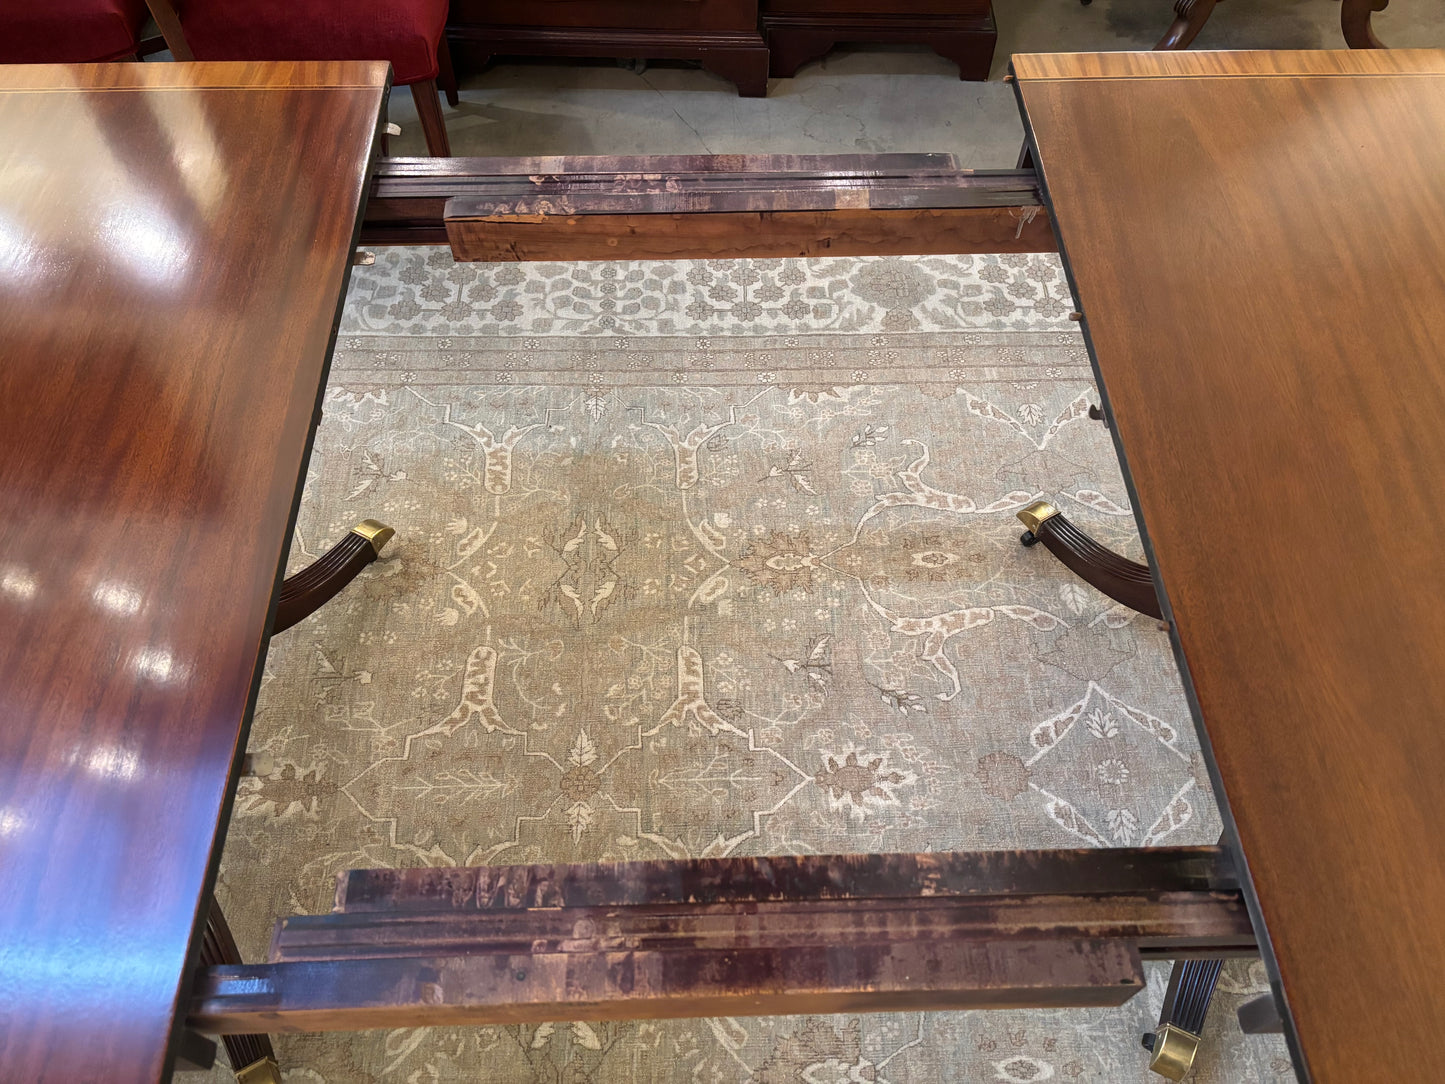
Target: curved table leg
317,583
1355,22
1181,1021
1189,18
1121,579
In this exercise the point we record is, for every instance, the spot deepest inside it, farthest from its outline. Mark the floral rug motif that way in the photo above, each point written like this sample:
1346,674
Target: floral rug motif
712,558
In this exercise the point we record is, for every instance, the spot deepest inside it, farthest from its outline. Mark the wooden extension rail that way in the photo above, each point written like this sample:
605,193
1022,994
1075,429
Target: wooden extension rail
854,933
702,206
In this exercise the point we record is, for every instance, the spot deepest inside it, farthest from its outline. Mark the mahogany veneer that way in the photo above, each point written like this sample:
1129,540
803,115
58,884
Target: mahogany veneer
1254,240
169,295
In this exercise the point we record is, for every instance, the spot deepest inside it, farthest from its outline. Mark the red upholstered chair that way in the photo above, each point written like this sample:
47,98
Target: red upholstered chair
69,31
406,32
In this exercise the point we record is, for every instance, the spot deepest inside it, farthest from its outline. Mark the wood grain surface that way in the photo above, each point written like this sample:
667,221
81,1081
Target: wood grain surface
787,878
1404,64
171,273
1158,923
515,208
810,934
745,234
1259,264
502,987
704,183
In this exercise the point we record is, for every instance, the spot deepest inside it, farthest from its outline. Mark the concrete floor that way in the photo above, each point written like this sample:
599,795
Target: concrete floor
866,98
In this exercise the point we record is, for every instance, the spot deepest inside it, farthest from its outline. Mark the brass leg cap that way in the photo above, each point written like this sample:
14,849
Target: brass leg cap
375,532
1035,514
1174,1050
260,1071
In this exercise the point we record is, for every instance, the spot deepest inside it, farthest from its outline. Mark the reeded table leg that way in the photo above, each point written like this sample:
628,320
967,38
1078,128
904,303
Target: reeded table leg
317,583
1181,1021
1355,22
1121,579
1189,18
252,1056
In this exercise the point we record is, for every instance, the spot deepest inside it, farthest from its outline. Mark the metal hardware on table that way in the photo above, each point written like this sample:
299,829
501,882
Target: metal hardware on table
1033,518
375,532
261,1071
1174,1050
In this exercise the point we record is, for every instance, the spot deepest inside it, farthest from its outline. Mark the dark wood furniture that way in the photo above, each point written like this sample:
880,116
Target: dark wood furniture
168,323
772,205
1312,659
1122,580
722,34
251,1056
1270,351
1191,15
798,31
819,934
305,592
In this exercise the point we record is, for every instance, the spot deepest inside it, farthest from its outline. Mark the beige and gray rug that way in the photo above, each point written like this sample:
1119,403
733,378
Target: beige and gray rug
716,558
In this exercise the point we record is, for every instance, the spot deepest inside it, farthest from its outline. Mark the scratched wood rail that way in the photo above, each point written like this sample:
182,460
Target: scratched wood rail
705,206
853,933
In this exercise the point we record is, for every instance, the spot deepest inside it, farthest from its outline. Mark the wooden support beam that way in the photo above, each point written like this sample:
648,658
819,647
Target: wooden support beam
1161,924
751,234
854,933
1086,871
672,207
499,988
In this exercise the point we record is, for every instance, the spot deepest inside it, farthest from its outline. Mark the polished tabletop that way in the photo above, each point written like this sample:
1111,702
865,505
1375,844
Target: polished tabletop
174,247
1257,243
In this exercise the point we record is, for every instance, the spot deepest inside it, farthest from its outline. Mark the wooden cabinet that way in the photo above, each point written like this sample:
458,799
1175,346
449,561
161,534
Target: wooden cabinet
733,38
798,31
722,34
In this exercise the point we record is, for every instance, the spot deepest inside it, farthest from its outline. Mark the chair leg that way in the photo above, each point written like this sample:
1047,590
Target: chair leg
1355,22
446,74
1190,17
169,24
429,112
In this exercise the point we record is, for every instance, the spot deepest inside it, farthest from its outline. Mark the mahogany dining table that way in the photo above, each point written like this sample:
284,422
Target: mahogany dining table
175,243
1255,242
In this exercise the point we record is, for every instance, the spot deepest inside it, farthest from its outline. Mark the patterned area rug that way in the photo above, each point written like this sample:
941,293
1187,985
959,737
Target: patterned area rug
716,558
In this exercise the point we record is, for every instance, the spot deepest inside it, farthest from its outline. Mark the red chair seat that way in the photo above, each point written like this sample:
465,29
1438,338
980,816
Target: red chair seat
405,32
68,31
